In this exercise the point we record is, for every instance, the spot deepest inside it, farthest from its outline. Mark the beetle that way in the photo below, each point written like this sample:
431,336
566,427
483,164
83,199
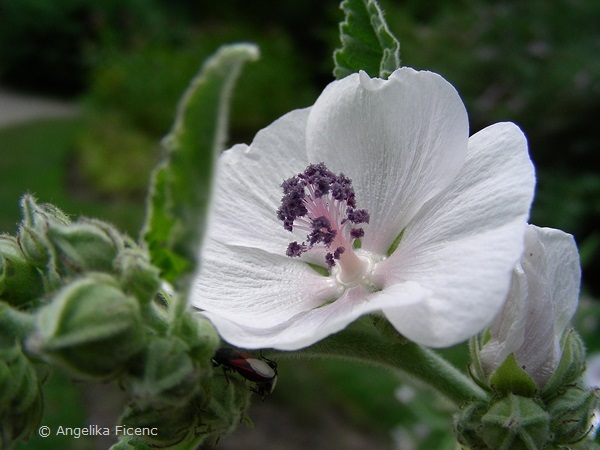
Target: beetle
261,371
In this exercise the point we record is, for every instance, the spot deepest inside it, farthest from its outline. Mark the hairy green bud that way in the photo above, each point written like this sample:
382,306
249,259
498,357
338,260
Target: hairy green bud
200,336
137,275
40,215
164,375
572,414
83,246
20,396
20,281
467,425
35,246
516,423
168,425
91,328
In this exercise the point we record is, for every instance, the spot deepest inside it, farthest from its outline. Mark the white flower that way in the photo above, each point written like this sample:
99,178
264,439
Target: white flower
459,204
543,297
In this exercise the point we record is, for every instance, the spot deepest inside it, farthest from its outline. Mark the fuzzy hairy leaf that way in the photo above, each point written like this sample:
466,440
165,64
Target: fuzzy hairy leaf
180,186
367,43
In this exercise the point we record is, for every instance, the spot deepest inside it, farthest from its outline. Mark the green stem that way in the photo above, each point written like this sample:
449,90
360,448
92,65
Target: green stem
407,358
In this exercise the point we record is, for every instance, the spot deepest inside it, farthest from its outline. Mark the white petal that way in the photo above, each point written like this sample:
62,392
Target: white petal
508,329
542,300
247,190
251,286
401,141
551,264
311,326
562,273
464,243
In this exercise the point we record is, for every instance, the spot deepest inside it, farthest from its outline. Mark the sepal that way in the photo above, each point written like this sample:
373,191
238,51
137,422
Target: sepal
512,378
571,365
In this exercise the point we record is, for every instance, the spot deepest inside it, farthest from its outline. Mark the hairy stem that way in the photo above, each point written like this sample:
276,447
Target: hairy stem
405,358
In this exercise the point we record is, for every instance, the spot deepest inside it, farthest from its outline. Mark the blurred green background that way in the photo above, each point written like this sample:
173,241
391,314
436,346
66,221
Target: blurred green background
126,62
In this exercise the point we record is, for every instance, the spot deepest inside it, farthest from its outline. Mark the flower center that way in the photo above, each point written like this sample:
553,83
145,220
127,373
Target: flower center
323,205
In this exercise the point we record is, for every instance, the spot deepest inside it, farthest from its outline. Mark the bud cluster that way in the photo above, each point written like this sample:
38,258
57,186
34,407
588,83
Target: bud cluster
81,296
522,415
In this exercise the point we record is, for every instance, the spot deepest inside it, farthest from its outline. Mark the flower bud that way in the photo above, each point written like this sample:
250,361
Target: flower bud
20,396
514,422
530,327
173,425
81,247
39,216
137,275
200,336
91,328
164,375
20,281
467,425
572,414
34,246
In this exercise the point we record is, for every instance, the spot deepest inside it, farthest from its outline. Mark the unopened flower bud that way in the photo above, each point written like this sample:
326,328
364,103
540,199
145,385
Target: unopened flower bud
83,246
173,425
20,281
137,275
20,396
34,245
467,425
164,375
40,215
516,423
91,327
531,326
572,414
200,336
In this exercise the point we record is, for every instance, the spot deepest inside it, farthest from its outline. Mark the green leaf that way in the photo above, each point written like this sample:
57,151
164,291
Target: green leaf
367,43
180,187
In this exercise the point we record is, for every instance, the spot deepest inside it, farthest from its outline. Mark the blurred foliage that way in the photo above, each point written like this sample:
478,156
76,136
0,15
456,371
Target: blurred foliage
51,46
135,94
35,158
146,84
110,140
